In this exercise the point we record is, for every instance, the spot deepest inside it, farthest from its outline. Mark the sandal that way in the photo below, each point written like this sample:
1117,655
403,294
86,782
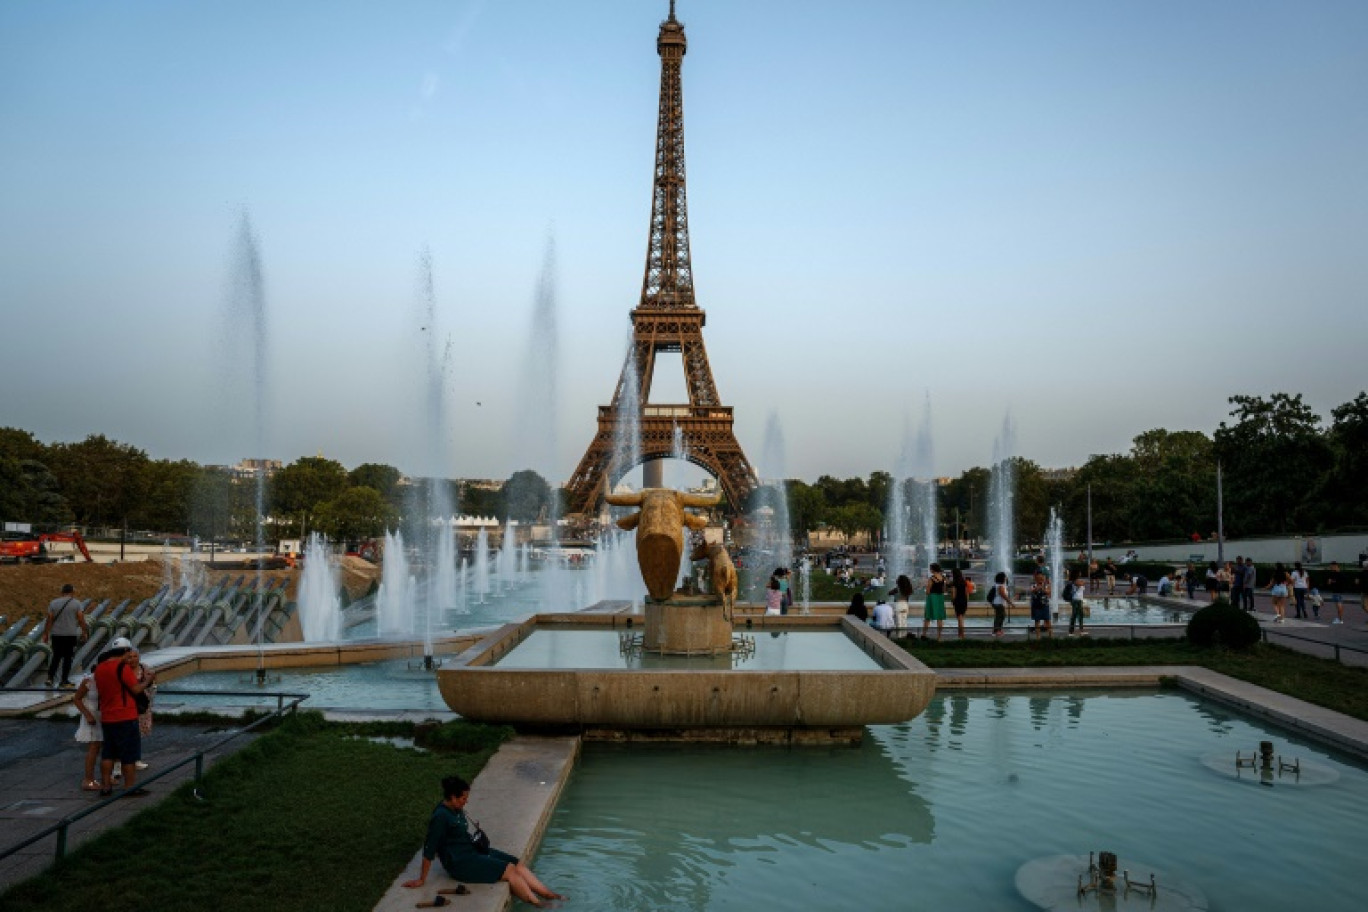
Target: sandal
90,785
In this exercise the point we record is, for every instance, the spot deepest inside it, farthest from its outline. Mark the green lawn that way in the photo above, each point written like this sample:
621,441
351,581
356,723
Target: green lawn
312,816
1321,681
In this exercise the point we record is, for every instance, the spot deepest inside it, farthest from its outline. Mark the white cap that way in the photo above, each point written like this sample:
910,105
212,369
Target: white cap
121,643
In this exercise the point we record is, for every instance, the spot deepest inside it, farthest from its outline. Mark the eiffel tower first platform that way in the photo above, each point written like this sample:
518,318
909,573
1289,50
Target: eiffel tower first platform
666,320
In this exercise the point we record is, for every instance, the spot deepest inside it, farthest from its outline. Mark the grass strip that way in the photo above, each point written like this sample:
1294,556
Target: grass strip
1323,682
312,815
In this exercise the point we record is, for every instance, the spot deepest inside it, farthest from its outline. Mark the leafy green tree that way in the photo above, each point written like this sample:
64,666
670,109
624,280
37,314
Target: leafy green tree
854,518
1174,488
379,477
165,506
20,444
525,495
1273,457
1345,491
877,489
1111,478
968,494
30,493
356,513
807,509
481,501
104,481
297,490
1032,501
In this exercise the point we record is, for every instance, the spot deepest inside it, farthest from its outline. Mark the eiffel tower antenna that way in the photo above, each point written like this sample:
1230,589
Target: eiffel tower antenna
667,319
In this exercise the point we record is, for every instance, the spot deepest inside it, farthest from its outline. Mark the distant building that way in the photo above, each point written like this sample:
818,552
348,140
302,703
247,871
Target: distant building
252,468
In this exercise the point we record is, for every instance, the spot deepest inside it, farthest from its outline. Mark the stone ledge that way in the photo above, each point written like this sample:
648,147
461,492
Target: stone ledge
513,798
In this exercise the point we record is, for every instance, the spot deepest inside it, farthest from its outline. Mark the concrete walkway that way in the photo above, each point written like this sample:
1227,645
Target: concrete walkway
41,765
512,798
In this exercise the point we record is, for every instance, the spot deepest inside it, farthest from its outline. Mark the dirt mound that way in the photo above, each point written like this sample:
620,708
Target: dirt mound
26,589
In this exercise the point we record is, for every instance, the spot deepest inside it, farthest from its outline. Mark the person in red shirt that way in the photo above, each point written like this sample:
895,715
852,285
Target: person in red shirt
116,679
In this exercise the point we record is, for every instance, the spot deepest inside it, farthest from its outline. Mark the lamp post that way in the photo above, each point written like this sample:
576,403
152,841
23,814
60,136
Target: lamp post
1220,518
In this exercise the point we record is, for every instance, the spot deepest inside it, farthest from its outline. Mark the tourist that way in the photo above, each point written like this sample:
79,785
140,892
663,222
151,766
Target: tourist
785,595
1190,580
959,597
935,601
1212,581
1251,582
88,732
902,596
1237,582
64,625
883,617
1223,578
1073,594
468,857
1111,577
118,685
1363,586
1040,604
857,608
1165,586
1277,588
774,596
1332,590
1000,599
1301,582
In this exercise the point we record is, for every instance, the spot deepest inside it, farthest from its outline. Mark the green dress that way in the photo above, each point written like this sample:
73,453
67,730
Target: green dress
448,840
935,601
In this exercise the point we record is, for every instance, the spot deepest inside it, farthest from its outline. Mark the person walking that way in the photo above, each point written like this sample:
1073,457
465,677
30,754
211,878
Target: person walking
1301,582
1111,577
1237,582
999,599
1040,604
935,601
64,626
1251,582
902,596
1277,588
959,597
1212,581
117,681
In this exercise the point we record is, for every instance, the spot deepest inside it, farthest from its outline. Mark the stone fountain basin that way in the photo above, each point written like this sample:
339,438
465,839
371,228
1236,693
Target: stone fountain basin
745,701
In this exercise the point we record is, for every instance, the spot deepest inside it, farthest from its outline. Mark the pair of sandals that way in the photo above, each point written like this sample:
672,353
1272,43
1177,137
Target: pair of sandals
441,900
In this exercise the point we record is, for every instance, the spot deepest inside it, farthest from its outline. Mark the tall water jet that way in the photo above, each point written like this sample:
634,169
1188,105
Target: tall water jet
442,595
246,312
482,587
320,608
897,520
506,567
627,426
394,603
1002,501
1054,556
771,516
928,537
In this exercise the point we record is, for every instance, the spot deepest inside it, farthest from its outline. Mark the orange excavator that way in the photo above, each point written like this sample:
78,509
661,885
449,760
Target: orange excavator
31,548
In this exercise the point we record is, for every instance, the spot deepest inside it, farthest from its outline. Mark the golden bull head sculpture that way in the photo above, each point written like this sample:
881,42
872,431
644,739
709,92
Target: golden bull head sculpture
659,525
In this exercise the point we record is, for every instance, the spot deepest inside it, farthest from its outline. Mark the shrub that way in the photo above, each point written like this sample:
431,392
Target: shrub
1222,624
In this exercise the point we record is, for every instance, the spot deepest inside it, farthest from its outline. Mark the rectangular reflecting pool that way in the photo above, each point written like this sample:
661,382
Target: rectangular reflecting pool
392,685
773,651
941,813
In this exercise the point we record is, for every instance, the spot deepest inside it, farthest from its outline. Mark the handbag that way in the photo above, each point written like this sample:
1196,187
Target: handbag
479,838
140,700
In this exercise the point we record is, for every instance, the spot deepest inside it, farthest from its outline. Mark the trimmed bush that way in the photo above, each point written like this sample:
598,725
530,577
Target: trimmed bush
1222,624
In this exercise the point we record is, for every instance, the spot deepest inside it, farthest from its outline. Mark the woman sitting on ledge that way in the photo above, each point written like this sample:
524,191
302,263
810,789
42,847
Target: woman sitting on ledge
449,839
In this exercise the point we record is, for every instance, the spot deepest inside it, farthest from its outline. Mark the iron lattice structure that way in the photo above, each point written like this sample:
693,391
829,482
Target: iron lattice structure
667,319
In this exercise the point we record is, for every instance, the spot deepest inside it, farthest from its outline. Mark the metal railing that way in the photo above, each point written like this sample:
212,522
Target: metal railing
61,827
1281,633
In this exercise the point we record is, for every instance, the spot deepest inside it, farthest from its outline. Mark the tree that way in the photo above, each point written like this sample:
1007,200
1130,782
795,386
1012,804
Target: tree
807,509
525,495
1111,478
103,480
30,493
1273,458
1032,501
356,513
379,477
20,444
969,494
1345,491
298,489
1174,487
165,506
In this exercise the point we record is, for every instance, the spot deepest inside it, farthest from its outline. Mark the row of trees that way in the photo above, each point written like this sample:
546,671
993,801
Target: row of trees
1284,470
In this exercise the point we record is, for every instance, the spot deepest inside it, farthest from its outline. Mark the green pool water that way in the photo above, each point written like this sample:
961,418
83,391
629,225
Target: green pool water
941,812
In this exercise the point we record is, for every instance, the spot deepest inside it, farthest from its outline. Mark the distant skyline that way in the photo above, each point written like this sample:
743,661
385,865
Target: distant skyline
1097,218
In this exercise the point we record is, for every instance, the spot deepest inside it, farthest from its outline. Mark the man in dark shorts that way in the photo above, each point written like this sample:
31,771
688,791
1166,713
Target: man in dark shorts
116,679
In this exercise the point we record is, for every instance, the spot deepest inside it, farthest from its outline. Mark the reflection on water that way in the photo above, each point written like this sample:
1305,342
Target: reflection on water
940,812
786,650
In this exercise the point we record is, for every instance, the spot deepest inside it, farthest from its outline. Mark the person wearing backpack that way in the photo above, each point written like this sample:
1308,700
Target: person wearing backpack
1000,600
1040,604
64,626
116,679
1073,594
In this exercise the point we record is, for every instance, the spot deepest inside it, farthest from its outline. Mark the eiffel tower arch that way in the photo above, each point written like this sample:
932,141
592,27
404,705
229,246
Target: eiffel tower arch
667,319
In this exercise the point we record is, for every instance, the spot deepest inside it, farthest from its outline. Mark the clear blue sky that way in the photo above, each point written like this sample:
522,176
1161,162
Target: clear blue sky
1140,207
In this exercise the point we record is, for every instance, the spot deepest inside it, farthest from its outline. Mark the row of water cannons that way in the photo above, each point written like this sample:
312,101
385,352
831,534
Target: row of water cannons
231,611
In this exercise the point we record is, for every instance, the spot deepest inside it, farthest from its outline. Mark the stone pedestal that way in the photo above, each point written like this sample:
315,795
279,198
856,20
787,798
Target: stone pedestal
687,625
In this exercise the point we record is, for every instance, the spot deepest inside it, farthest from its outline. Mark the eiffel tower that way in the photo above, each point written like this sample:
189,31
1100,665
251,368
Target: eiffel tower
667,319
